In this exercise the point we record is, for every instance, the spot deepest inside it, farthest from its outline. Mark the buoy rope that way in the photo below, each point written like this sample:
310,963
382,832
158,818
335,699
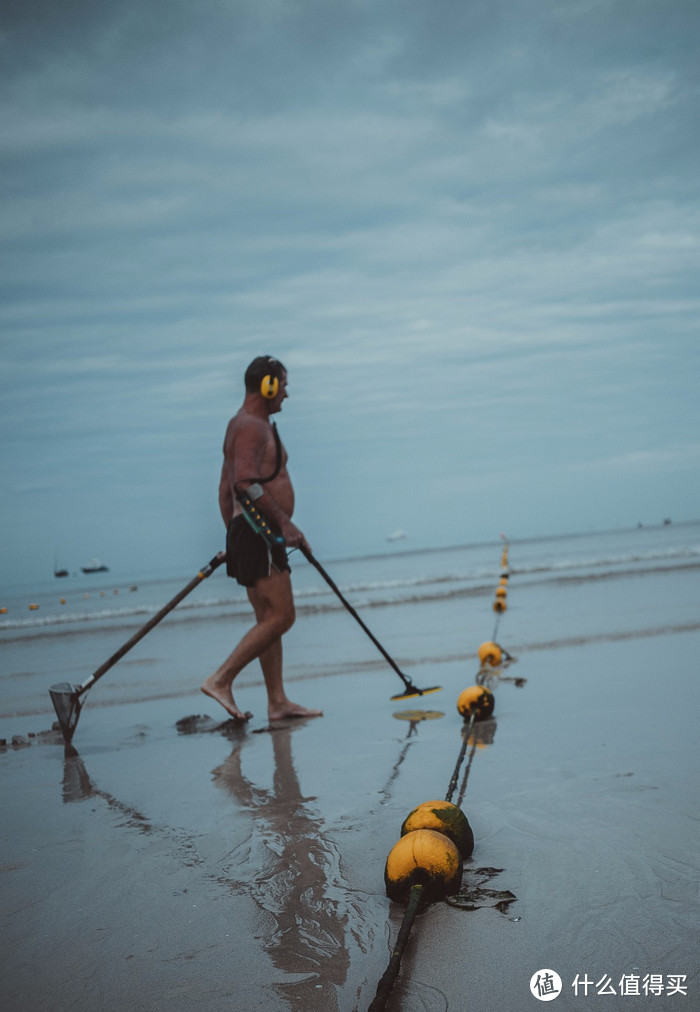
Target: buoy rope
392,971
467,768
460,759
495,628
416,893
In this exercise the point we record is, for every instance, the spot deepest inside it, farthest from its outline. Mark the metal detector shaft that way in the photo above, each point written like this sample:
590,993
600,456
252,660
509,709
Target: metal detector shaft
194,582
407,681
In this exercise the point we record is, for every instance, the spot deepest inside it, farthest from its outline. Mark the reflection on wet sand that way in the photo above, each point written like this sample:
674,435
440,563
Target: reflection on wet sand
491,678
294,878
414,718
479,734
313,923
77,786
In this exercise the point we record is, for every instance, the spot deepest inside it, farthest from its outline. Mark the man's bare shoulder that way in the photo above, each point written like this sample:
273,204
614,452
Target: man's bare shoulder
248,429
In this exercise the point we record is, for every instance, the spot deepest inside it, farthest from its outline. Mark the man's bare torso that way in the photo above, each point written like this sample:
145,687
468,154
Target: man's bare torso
250,453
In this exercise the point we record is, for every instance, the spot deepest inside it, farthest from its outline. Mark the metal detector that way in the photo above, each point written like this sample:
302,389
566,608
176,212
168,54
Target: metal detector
411,689
259,523
66,697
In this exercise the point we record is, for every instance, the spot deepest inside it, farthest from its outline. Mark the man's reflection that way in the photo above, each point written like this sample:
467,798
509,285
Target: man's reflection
313,923
297,879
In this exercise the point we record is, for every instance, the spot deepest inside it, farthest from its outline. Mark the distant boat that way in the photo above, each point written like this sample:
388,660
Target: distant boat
95,566
60,572
397,536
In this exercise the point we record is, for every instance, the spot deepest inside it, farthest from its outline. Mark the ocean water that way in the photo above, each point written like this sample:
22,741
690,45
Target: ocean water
426,607
394,577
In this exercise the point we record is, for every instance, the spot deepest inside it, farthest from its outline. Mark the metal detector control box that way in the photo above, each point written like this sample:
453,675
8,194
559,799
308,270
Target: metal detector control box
258,522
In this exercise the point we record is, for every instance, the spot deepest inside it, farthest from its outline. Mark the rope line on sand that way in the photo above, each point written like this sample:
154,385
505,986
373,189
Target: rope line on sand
427,863
389,976
460,758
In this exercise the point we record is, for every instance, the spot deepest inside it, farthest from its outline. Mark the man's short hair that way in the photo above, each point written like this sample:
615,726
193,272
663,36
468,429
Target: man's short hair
259,368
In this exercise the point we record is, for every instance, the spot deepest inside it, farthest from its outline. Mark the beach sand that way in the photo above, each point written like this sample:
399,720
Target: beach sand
242,868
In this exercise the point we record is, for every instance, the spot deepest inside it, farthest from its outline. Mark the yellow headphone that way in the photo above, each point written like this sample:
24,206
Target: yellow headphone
269,387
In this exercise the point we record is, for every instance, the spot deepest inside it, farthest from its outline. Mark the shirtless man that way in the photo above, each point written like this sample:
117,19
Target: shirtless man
252,465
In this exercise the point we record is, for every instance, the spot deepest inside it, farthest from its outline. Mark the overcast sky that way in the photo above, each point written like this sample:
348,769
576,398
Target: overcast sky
469,229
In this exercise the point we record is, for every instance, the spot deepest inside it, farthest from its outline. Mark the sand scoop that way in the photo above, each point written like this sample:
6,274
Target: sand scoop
66,697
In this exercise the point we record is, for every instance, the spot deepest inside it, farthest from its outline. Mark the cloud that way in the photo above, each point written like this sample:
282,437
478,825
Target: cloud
469,230
647,462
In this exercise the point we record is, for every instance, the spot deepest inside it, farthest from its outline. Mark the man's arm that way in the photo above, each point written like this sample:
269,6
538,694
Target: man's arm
225,496
268,505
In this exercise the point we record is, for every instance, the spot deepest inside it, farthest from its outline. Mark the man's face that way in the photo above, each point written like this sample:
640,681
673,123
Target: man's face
281,395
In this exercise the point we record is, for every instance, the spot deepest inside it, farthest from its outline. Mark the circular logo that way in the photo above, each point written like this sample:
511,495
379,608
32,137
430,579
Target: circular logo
545,985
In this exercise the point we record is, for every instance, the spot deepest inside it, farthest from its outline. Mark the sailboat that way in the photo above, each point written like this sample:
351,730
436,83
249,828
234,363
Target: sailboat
57,571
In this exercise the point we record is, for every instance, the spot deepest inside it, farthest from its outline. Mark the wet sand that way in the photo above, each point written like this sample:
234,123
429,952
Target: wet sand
211,866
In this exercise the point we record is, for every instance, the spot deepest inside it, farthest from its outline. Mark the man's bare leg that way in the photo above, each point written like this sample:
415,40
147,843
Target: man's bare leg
272,621
273,605
279,706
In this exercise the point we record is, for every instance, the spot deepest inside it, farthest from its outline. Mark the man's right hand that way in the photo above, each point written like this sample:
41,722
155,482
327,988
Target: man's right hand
293,537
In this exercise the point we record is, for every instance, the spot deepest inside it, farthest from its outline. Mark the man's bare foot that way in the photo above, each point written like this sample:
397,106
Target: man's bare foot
224,697
288,710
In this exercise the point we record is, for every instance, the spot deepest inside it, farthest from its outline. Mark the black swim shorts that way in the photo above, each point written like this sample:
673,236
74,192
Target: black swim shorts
248,555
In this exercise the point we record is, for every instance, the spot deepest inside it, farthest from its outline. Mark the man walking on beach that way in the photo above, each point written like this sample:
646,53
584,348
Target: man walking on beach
255,463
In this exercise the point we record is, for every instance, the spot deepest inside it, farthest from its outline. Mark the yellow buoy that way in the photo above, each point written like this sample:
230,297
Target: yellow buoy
499,605
490,653
34,607
62,601
501,591
424,858
477,699
443,817
3,611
